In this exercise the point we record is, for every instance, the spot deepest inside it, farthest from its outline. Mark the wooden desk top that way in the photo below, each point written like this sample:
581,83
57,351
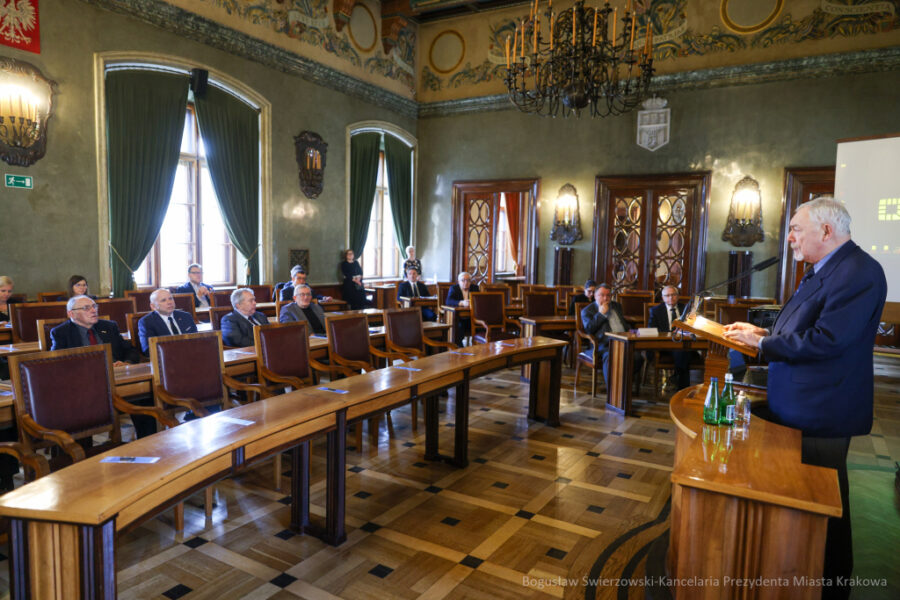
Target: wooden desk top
91,492
546,320
659,342
762,463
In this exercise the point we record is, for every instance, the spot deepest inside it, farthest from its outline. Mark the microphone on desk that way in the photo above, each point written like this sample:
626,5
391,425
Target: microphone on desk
699,297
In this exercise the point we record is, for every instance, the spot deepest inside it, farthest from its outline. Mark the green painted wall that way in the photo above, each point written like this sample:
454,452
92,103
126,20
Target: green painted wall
749,130
51,232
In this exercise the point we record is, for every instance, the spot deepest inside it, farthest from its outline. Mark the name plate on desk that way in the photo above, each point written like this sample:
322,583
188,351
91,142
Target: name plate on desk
647,331
137,460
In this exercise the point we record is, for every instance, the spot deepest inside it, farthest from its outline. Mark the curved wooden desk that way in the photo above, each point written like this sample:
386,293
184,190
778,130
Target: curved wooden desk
744,507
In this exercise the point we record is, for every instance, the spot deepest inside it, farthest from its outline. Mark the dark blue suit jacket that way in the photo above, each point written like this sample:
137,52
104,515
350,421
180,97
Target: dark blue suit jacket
152,325
659,317
455,295
187,288
66,335
237,330
820,349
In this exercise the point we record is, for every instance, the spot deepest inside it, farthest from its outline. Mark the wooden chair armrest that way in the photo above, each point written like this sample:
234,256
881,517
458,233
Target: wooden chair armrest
122,405
437,344
408,353
188,403
388,355
510,322
254,388
320,367
37,463
294,382
57,436
353,365
482,324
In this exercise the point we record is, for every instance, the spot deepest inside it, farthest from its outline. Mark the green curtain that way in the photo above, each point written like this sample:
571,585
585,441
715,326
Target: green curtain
145,119
364,148
398,157
230,132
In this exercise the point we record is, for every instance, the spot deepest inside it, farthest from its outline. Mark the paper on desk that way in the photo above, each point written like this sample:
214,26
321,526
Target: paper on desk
406,368
131,459
463,353
332,390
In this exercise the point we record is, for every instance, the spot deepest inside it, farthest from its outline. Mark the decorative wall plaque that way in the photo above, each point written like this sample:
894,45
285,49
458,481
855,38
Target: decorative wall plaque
311,150
653,124
299,256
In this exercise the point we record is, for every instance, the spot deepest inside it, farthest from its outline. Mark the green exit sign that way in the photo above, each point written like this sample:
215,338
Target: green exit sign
19,181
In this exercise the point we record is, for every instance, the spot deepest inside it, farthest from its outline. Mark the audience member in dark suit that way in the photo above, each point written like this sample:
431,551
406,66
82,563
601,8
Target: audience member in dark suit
821,374
412,288
298,277
661,317
459,296
164,320
196,286
304,309
590,286
85,328
604,316
237,326
352,288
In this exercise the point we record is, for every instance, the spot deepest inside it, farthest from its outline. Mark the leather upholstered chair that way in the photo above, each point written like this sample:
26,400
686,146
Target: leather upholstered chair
263,293
133,319
489,314
215,317
540,304
220,299
59,296
498,287
43,332
116,309
51,414
350,351
185,302
23,317
585,352
141,299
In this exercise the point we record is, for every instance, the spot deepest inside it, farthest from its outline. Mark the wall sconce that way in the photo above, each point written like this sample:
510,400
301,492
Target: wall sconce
566,218
26,99
744,225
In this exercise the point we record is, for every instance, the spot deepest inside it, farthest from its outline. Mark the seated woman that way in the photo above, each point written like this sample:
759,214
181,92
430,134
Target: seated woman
352,289
6,288
77,286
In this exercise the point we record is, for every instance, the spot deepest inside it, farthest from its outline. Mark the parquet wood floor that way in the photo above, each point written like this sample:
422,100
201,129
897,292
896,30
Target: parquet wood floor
539,513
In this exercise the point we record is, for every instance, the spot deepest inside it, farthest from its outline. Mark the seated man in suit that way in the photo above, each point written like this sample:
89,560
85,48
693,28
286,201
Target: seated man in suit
298,277
304,309
459,296
412,288
661,317
237,326
164,320
85,328
590,286
605,316
196,286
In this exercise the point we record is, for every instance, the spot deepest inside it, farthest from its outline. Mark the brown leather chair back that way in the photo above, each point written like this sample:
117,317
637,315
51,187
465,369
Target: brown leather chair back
263,293
403,328
348,337
60,296
220,299
43,329
185,302
82,406
17,298
540,304
116,309
580,340
633,302
283,348
278,306
498,287
133,319
215,316
487,307
24,318
190,366
141,299
443,290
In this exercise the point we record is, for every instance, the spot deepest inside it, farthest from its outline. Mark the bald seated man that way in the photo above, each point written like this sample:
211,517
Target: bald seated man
164,320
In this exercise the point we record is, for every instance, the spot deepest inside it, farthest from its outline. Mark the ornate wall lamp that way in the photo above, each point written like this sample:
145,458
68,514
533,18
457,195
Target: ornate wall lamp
26,100
744,225
566,218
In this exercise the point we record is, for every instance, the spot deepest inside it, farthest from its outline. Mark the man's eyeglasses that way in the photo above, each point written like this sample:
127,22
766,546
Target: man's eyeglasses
87,307
195,272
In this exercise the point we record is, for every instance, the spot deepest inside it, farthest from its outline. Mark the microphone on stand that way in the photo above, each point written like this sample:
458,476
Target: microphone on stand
700,296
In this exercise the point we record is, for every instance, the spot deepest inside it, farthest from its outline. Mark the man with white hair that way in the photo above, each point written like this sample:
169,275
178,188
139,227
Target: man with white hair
237,326
459,296
86,328
820,357
164,320
298,277
304,309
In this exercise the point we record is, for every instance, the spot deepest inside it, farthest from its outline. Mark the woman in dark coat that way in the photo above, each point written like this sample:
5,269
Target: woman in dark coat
352,288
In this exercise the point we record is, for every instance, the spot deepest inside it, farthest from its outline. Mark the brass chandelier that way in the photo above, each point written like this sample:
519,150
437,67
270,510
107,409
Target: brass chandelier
587,62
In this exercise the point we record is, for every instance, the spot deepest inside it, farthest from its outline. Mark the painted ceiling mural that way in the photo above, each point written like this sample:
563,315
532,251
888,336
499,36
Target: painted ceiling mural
309,28
687,35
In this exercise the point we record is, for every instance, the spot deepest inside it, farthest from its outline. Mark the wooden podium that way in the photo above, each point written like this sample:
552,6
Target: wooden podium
716,363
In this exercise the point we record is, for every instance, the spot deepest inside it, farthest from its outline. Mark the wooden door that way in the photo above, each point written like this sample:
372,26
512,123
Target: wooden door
476,207
800,185
650,232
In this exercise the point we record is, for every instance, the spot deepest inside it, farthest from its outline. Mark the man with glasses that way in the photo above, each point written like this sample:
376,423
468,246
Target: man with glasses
298,277
86,328
196,286
662,316
304,309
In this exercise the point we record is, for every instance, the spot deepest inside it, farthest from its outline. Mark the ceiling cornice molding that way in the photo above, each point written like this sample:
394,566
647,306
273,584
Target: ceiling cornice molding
181,22
810,67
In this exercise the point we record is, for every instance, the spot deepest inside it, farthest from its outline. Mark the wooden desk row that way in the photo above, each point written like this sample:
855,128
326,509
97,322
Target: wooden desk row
64,526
